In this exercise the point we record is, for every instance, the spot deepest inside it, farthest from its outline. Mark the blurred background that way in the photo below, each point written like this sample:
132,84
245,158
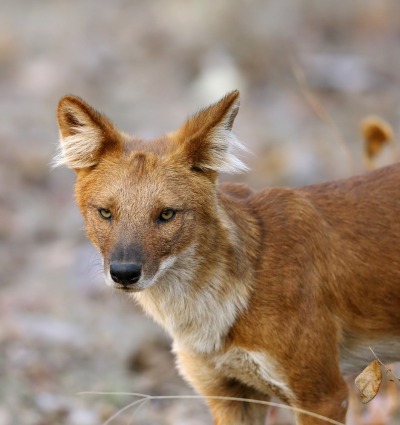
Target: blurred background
308,72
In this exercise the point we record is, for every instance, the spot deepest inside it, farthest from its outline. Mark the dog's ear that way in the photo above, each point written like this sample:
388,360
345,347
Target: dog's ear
206,140
85,135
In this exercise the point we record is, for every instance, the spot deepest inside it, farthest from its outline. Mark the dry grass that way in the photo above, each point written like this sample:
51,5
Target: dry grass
144,398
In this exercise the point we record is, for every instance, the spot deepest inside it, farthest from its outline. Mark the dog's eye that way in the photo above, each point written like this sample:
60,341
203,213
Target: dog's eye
167,215
105,213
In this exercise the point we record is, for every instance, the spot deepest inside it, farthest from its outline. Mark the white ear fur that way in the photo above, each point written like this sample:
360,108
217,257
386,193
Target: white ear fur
83,132
78,150
207,139
79,141
224,146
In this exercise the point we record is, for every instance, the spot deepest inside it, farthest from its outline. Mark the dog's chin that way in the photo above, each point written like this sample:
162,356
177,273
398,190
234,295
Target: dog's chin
140,286
144,282
127,289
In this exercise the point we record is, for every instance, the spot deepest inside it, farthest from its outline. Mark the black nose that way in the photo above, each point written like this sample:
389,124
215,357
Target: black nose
125,273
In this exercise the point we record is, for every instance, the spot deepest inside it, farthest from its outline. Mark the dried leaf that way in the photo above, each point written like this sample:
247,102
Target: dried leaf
369,381
376,133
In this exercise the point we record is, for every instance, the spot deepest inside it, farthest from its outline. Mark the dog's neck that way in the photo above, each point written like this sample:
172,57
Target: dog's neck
198,301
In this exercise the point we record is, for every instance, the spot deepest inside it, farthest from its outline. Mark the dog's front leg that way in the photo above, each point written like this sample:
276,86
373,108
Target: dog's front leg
210,383
237,412
323,392
333,408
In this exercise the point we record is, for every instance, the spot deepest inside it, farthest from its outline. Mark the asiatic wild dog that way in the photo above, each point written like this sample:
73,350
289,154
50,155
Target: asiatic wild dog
276,292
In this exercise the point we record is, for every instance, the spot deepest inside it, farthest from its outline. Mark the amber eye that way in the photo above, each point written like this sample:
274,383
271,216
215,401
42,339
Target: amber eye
167,215
105,213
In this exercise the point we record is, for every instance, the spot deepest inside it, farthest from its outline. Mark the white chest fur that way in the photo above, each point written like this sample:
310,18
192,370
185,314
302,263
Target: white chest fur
255,369
197,318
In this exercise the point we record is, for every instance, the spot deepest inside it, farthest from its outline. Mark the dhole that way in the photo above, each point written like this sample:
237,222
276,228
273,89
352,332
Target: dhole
276,292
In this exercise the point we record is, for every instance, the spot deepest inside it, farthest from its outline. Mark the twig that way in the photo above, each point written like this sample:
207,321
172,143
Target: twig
316,106
387,370
134,403
145,397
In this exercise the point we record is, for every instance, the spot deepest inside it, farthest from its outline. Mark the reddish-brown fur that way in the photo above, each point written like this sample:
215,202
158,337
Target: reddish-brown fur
277,292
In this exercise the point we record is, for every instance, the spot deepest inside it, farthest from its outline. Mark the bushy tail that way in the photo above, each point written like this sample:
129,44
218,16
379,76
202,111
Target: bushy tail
376,133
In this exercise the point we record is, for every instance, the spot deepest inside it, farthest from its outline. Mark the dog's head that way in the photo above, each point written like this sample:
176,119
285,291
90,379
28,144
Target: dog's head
147,204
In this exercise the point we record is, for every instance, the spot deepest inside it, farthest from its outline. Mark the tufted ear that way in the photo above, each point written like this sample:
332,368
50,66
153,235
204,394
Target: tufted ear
206,140
85,134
